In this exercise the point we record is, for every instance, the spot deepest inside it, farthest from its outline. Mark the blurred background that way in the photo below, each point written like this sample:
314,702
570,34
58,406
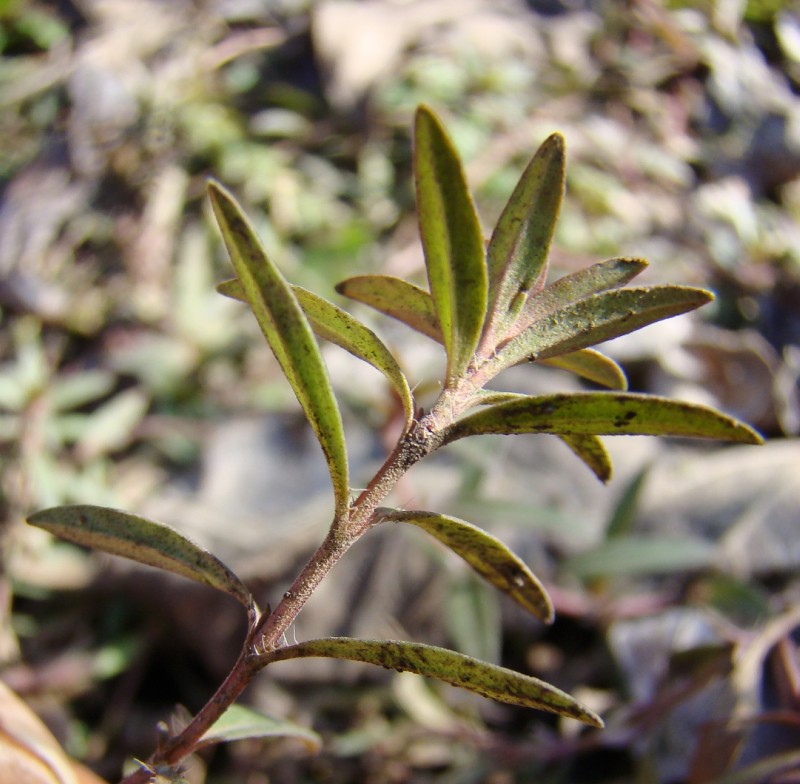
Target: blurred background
126,381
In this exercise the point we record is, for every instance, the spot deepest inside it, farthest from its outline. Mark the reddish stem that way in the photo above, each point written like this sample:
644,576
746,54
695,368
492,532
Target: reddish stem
267,632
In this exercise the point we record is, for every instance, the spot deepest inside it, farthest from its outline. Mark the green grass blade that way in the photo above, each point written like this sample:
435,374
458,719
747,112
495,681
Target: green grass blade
288,334
602,413
636,555
488,680
397,298
452,240
331,323
520,244
141,540
598,318
487,555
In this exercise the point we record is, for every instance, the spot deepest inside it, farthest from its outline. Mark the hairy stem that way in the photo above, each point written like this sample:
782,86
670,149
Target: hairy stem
267,635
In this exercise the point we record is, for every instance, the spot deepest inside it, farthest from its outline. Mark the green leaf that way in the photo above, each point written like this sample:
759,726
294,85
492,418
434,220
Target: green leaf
602,413
337,326
288,334
488,556
520,244
631,555
111,425
593,366
473,617
141,540
622,519
78,389
598,318
240,723
603,276
452,240
488,680
591,450
397,298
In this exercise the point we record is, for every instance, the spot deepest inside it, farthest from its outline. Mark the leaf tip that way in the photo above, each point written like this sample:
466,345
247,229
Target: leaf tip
749,435
557,141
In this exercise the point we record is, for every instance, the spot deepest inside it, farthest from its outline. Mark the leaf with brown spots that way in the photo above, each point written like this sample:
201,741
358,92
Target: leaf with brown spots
602,413
488,680
488,556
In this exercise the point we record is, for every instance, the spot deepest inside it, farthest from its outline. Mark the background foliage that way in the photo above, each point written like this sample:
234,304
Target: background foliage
126,380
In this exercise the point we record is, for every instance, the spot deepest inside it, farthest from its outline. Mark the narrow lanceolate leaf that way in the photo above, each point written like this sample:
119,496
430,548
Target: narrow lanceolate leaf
520,244
602,413
397,298
452,240
588,448
593,366
603,276
488,680
337,326
488,556
288,334
240,723
591,450
141,540
598,318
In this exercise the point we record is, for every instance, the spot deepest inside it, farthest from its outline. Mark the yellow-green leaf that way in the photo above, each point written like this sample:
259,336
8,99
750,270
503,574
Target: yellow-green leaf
591,450
488,680
487,555
593,366
288,334
337,326
397,298
602,413
452,240
143,541
520,244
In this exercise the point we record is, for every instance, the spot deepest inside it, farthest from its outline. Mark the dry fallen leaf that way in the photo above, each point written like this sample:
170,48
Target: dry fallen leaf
29,754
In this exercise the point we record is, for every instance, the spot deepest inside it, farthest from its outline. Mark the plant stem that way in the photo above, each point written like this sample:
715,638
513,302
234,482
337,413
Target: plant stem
267,633
181,745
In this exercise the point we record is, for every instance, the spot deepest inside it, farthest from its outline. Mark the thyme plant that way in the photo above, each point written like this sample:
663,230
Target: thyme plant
491,307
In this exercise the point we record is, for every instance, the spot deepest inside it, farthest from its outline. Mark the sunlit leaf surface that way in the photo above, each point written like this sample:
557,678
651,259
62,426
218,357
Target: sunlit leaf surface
452,240
487,555
397,298
602,413
288,334
593,366
337,326
598,318
518,250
